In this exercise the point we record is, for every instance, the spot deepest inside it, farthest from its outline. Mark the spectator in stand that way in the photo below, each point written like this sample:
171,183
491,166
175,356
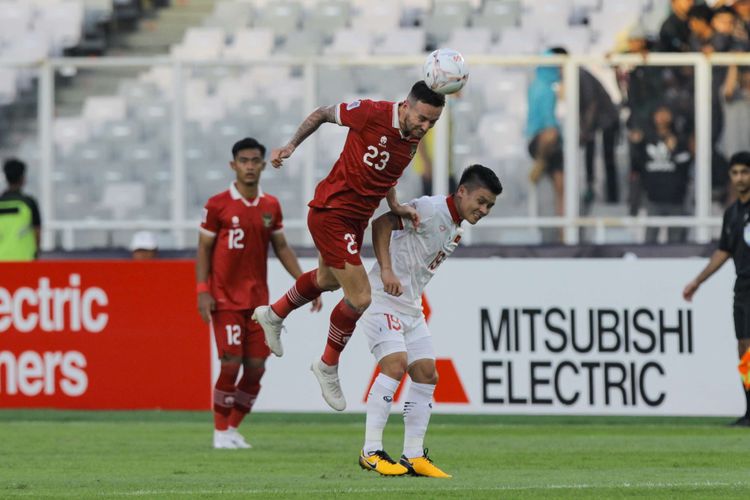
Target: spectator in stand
598,114
674,32
742,28
543,130
642,88
663,160
143,246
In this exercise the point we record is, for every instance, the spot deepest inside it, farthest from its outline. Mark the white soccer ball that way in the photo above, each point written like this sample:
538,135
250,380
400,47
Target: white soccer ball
445,71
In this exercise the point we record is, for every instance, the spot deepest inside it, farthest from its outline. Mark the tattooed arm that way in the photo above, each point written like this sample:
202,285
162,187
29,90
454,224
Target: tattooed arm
324,114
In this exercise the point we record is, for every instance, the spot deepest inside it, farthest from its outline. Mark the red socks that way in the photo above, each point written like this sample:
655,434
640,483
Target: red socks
305,290
247,391
224,395
343,320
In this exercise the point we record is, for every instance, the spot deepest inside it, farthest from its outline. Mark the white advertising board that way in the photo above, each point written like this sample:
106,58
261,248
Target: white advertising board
537,336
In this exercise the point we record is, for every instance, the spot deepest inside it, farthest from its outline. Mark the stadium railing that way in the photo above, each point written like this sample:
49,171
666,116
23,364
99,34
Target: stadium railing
63,232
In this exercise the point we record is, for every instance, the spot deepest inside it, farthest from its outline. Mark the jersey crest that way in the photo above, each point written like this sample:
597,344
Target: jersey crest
267,220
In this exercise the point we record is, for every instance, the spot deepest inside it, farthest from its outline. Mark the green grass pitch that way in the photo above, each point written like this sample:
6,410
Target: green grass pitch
65,454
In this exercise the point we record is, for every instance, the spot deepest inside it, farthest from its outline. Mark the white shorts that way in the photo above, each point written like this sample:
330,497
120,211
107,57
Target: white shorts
391,332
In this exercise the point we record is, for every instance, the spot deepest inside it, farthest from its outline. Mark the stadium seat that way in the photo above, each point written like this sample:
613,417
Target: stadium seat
63,23
470,40
282,17
349,42
327,17
100,109
445,17
497,15
122,197
403,41
69,132
200,44
376,17
250,44
230,15
302,44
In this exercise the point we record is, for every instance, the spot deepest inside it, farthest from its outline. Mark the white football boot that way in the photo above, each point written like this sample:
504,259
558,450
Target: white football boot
328,378
238,439
272,326
223,441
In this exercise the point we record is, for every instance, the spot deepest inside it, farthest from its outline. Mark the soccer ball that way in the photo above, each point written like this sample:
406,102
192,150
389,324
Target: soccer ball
445,72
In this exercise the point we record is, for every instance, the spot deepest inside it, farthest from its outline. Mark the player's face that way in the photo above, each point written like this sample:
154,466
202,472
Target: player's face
474,204
248,164
419,118
740,176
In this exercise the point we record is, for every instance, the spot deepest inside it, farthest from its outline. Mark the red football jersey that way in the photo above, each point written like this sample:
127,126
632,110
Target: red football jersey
243,228
373,159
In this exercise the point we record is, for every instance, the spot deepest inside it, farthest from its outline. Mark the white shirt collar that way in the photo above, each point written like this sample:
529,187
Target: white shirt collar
236,195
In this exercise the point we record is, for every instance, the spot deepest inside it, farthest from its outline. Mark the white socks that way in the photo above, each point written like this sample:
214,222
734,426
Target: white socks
417,411
379,402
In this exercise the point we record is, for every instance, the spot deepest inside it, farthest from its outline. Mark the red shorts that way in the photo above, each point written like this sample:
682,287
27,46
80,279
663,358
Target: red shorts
337,237
237,335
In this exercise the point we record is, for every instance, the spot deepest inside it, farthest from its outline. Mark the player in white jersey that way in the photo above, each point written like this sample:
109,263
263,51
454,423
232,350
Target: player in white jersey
395,327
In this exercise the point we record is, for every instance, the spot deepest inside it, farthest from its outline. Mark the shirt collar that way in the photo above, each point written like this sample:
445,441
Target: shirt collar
451,201
236,195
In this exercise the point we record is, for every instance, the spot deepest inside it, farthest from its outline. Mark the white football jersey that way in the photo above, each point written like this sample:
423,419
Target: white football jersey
416,254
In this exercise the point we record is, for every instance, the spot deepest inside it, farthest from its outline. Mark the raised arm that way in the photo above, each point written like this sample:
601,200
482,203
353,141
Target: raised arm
288,259
323,114
382,227
718,259
405,211
206,302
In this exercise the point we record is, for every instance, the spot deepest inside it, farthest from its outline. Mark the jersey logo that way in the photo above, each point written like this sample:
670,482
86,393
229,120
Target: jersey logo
746,234
235,221
442,228
353,105
383,140
267,220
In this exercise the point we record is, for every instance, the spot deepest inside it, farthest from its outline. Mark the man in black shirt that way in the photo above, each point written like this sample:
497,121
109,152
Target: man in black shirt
20,222
735,243
674,32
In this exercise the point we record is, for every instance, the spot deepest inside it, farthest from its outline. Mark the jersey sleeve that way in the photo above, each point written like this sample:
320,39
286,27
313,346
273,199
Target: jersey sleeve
278,219
424,208
726,231
354,114
210,222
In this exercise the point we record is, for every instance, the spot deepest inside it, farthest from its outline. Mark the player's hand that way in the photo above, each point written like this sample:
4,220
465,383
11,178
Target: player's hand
206,304
317,304
279,155
690,290
407,212
391,284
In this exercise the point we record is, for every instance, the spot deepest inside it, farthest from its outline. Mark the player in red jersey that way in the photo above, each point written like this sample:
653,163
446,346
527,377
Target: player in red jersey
231,270
382,140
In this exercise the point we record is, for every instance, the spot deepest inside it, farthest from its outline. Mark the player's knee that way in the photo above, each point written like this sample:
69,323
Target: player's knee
396,371
360,301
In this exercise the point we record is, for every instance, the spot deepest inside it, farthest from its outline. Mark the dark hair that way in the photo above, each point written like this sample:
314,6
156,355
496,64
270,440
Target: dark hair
740,158
726,9
421,92
248,143
702,12
476,176
559,51
14,170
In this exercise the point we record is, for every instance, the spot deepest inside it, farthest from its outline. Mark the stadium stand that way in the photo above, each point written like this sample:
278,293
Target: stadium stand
124,139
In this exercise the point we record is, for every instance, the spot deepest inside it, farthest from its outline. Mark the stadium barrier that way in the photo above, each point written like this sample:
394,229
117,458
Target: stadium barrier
65,231
512,336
